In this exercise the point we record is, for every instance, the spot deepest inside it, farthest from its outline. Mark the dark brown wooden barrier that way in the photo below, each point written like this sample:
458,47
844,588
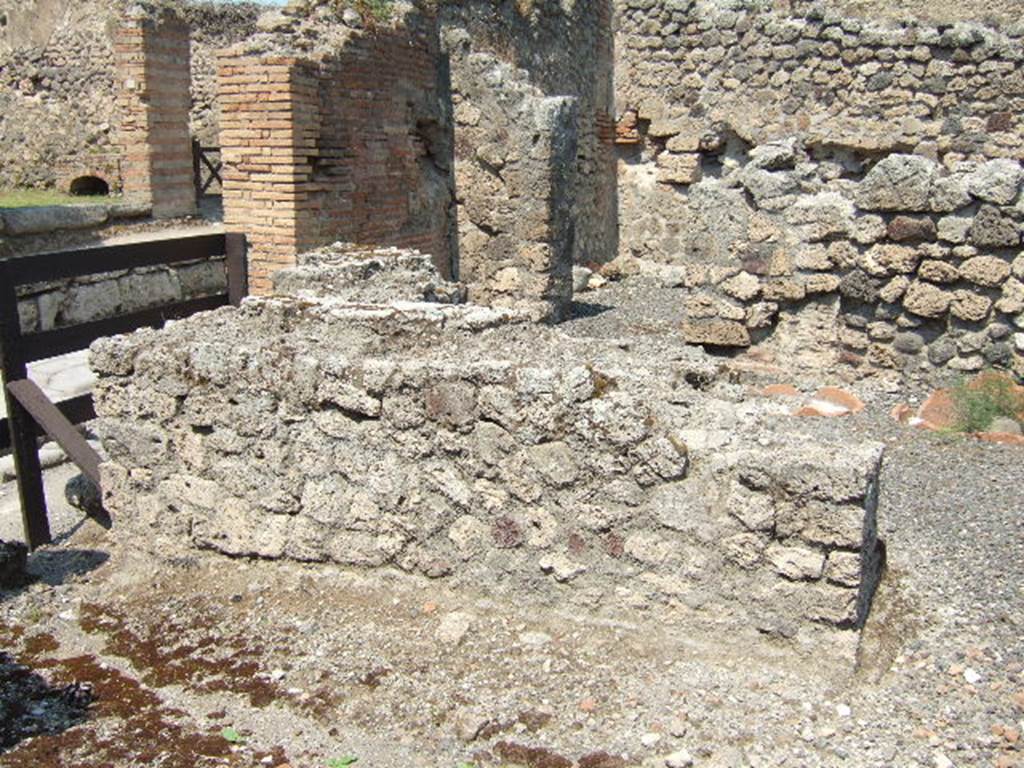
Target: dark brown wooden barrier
30,413
203,165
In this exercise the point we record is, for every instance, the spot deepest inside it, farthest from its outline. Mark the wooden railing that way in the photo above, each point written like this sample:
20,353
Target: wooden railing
30,413
206,163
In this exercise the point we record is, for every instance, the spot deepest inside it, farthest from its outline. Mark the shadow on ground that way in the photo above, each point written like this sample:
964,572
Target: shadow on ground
53,567
30,706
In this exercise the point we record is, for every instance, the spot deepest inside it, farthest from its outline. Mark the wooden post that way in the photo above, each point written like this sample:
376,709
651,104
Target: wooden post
237,267
22,429
197,171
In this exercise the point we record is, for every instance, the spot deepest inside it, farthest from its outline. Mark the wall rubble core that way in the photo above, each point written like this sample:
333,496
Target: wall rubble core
465,442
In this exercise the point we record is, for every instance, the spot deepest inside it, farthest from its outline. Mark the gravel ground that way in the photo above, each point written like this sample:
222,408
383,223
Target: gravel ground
313,664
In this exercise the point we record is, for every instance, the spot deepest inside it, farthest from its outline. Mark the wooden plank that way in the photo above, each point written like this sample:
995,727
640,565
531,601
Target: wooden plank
214,176
60,341
13,365
34,400
238,268
77,410
197,175
110,258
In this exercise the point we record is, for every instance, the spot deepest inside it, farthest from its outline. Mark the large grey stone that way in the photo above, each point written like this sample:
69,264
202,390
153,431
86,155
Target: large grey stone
993,229
989,271
53,218
996,181
897,183
926,300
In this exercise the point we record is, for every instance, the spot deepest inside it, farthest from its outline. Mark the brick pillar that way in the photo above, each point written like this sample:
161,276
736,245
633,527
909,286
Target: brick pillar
268,133
152,55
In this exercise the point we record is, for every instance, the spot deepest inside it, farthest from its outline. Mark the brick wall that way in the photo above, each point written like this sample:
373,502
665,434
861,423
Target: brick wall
152,55
269,131
351,147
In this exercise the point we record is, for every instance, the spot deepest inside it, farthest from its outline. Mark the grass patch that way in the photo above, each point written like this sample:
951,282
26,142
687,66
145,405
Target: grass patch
27,198
984,399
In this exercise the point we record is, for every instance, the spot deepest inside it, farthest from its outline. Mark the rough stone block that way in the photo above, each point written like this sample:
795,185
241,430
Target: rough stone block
679,168
897,183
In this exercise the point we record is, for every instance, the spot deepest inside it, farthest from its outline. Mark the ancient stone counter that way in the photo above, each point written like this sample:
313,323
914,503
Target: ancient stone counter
465,443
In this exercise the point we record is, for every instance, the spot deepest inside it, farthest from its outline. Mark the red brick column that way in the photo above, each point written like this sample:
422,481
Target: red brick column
268,132
152,55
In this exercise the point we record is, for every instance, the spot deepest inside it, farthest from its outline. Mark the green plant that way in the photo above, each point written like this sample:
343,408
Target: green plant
374,10
987,397
342,762
231,735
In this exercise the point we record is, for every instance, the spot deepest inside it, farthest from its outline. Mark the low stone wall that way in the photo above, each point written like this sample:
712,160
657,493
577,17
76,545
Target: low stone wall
465,443
59,303
46,219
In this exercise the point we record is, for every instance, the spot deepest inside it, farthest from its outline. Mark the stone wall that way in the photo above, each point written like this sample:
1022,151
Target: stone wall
903,263
991,12
565,49
56,91
58,85
215,26
60,303
839,82
515,180
859,180
19,227
465,443
350,141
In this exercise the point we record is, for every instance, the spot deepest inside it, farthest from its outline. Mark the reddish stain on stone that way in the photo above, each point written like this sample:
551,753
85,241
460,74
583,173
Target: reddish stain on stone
506,533
601,760
615,545
531,757
576,544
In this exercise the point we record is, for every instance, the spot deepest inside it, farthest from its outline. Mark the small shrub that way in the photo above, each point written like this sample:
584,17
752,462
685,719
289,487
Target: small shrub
374,10
986,398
